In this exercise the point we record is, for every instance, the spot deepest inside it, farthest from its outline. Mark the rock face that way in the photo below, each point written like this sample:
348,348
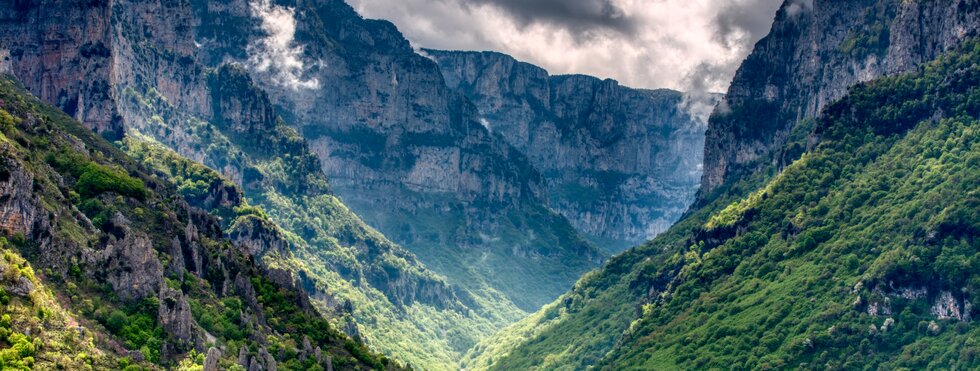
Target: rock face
133,268
211,359
404,151
69,66
175,317
942,304
816,50
18,206
5,65
257,236
621,164
171,79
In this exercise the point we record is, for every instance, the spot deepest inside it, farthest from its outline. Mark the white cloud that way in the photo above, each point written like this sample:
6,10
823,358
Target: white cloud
667,43
277,53
797,7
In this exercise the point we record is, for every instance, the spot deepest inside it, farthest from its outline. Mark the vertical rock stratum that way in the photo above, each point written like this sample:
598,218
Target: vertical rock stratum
621,164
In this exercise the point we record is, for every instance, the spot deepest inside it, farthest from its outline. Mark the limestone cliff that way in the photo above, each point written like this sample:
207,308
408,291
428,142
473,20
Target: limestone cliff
404,151
816,50
70,66
621,164
158,88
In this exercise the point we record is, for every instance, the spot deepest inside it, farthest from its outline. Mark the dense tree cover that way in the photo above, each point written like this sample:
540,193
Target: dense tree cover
861,254
20,349
136,326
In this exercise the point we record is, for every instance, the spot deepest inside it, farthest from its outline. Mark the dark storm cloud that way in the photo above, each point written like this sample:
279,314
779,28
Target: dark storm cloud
742,20
690,45
581,17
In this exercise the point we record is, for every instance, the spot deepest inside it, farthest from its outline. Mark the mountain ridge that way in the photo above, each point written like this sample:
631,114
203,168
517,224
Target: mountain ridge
614,317
159,90
896,37
406,153
620,163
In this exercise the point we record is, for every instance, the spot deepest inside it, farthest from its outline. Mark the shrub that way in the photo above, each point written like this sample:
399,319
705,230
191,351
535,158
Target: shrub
137,330
6,121
246,210
97,179
117,319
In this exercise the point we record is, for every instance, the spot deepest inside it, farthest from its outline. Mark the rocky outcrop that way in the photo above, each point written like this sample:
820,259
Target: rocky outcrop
5,66
211,359
942,304
174,316
621,164
12,282
949,307
815,51
18,204
132,267
262,361
257,236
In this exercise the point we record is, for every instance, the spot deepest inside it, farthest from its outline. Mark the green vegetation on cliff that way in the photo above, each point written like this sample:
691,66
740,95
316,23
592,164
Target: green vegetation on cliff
862,253
119,273
366,285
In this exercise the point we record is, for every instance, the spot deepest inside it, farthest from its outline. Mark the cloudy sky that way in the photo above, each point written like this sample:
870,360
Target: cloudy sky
681,44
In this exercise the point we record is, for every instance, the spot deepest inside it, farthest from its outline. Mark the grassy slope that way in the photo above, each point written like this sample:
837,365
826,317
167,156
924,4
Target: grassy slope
785,278
60,154
36,332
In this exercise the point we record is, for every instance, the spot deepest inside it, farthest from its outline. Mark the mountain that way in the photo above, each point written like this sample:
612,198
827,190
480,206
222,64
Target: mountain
133,72
810,61
106,266
839,233
846,258
400,148
621,164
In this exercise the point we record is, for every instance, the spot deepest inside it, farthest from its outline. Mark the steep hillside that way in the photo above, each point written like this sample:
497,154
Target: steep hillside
120,272
621,164
815,51
404,151
873,223
862,253
159,92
